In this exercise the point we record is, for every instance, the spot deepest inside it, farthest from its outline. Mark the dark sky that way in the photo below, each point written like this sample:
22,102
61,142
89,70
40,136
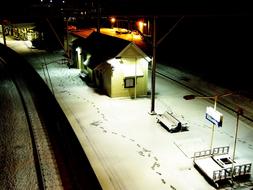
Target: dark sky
214,37
15,8
178,6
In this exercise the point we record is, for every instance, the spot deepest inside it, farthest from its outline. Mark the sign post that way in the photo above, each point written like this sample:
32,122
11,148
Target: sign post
214,116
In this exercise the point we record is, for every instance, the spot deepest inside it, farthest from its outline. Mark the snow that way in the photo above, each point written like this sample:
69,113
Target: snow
125,145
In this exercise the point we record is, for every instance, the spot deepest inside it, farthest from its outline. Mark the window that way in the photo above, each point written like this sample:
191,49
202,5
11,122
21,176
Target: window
129,82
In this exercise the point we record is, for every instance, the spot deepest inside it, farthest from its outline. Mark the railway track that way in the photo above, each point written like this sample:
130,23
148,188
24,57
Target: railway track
56,159
226,103
45,164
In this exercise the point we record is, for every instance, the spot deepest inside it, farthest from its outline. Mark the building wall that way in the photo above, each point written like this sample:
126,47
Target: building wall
107,81
131,65
119,75
68,43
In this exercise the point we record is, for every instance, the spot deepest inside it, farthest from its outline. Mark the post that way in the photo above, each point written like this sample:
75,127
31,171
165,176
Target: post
3,31
135,77
153,75
98,17
238,113
67,38
155,43
212,136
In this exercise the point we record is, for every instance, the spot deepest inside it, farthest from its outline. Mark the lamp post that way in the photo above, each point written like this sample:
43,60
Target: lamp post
215,98
238,113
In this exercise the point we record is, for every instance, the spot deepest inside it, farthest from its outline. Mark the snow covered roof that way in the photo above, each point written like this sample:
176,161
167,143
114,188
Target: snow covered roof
101,47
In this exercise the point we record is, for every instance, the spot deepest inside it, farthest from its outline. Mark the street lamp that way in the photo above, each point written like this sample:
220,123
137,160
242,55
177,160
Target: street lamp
215,98
113,20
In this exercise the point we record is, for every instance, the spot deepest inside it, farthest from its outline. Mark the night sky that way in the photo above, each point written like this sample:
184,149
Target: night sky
140,6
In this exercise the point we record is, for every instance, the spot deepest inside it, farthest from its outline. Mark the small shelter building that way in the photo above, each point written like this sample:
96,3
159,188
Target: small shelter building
117,66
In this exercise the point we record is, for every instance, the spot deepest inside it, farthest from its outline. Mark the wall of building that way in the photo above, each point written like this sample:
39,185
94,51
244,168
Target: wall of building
119,75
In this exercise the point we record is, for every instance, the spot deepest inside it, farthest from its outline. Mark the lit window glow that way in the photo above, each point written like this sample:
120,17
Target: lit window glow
141,25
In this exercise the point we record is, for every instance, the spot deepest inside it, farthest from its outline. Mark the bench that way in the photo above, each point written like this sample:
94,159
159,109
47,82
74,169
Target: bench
170,122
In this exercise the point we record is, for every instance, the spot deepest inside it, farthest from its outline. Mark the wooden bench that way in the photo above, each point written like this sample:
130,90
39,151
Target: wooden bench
170,122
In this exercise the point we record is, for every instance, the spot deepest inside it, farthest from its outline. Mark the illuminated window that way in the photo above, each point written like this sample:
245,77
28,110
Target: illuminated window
129,82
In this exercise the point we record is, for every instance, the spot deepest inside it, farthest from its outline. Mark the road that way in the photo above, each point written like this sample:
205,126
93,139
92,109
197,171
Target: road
125,145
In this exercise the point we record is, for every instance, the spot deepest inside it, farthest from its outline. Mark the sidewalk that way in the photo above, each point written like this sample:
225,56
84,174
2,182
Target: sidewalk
125,145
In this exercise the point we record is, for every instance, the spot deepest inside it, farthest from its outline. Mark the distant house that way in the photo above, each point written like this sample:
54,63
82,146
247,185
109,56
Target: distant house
117,66
22,31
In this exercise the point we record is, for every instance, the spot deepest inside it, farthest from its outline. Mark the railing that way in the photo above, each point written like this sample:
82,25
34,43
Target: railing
202,153
222,174
209,152
238,170
220,150
243,169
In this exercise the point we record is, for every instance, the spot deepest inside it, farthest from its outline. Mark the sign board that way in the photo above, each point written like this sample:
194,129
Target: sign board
214,116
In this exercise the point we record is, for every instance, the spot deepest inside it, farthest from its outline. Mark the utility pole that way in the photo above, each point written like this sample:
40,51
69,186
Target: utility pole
153,77
153,70
98,16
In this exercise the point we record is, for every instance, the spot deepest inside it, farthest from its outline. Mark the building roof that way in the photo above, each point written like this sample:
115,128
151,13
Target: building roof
84,33
101,47
105,46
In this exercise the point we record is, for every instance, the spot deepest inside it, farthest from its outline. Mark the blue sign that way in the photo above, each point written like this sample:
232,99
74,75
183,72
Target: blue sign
213,121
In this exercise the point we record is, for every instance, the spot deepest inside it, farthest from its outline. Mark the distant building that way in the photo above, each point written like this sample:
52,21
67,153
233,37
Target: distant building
22,31
117,66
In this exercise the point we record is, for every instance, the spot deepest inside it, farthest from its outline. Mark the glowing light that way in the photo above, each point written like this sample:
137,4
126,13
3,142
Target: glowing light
78,49
141,25
113,19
